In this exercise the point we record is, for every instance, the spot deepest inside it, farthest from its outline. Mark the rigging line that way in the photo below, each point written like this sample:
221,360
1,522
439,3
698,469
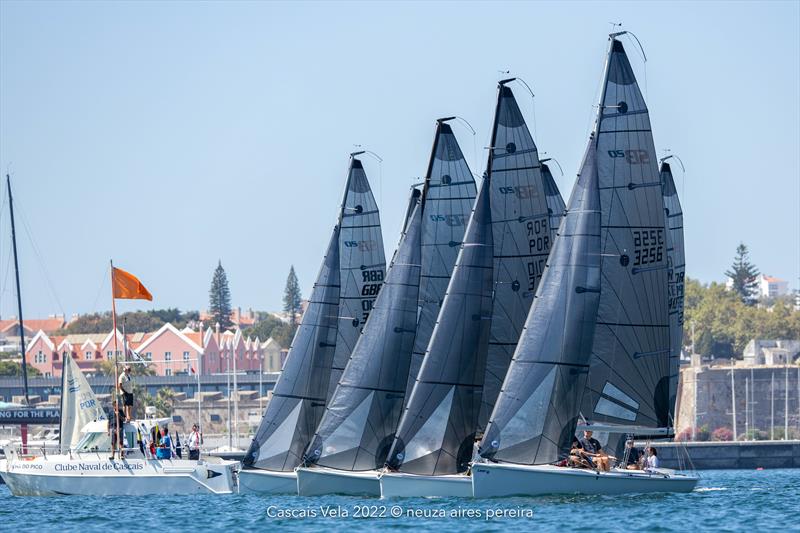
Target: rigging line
39,257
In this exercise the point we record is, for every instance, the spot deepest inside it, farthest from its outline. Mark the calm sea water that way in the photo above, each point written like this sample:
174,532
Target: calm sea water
731,500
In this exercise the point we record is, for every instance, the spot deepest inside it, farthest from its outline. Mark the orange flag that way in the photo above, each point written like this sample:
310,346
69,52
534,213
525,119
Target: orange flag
128,287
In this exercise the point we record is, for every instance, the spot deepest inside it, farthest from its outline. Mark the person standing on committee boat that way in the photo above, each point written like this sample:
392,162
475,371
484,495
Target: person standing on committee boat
125,387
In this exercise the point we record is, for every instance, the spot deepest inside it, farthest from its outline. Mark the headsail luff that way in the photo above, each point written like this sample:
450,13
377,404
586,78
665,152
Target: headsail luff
522,202
448,195
537,409
298,399
79,405
629,376
360,420
436,434
676,272
362,265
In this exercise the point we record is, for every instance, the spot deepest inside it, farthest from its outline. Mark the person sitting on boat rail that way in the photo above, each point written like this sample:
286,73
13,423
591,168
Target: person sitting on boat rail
576,455
593,451
116,414
164,450
652,458
195,440
125,386
634,456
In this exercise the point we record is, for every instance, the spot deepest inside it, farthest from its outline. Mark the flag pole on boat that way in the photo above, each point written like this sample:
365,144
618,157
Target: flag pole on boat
124,286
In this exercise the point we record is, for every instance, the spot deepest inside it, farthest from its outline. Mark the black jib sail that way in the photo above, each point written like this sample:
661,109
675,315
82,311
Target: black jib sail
524,207
298,400
362,264
537,409
358,426
676,272
629,375
436,434
448,195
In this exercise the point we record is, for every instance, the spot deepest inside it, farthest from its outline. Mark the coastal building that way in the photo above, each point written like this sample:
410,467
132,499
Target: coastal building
771,352
171,351
770,287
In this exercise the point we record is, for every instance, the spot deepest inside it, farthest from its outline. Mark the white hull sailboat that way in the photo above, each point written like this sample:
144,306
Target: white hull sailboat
267,482
497,479
92,474
317,481
399,485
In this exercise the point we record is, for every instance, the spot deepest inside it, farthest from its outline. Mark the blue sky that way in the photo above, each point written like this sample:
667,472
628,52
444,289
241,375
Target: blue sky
168,135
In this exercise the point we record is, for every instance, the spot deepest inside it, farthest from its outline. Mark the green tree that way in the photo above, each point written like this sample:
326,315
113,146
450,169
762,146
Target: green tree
219,296
291,296
744,275
14,369
163,401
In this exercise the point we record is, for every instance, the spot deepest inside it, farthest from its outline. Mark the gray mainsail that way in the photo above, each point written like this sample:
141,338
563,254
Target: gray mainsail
522,203
448,195
298,399
300,394
363,265
676,273
360,420
629,375
536,412
436,434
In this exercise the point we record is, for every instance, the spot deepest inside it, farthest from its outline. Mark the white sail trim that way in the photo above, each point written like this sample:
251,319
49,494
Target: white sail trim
528,421
609,408
614,392
430,437
79,405
351,430
281,439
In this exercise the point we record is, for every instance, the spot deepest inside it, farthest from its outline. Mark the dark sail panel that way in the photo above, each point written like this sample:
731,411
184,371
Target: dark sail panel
676,273
437,431
363,265
359,423
536,412
298,399
555,203
629,376
522,202
448,195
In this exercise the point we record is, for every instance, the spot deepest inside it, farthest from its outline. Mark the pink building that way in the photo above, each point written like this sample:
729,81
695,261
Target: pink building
170,350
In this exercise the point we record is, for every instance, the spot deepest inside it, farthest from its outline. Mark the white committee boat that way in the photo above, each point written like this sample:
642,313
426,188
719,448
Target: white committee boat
86,469
82,466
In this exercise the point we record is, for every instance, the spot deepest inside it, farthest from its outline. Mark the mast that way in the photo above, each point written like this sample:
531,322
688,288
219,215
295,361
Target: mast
116,361
19,294
733,402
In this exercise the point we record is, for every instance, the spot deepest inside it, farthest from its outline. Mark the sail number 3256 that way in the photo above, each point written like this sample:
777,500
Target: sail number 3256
648,246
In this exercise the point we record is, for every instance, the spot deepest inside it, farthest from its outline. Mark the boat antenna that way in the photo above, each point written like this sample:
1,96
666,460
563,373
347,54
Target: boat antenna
379,159
554,160
683,169
19,293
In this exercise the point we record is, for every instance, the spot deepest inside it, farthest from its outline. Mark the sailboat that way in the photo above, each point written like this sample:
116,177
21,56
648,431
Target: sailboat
83,467
355,434
352,271
498,269
596,343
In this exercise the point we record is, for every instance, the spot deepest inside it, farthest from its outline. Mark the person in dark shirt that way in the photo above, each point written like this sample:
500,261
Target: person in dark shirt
633,456
593,451
116,416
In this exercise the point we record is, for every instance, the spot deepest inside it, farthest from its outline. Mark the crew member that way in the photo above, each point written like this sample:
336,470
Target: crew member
125,387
